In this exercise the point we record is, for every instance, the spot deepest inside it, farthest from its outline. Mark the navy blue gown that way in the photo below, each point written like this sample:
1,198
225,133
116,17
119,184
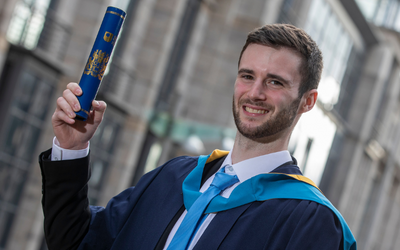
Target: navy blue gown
141,217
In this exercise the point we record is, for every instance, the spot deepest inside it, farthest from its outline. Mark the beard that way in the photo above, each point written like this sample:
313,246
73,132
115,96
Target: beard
281,121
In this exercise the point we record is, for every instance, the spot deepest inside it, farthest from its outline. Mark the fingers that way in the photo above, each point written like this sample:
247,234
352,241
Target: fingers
64,112
71,100
74,88
67,104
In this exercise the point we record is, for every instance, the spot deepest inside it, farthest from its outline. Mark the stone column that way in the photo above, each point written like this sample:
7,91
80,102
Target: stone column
373,239
362,116
391,229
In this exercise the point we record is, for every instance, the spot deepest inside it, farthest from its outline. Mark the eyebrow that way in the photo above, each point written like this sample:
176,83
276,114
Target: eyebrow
248,71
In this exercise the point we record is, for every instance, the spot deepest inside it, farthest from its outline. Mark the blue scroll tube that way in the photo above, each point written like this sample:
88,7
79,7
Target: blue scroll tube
98,59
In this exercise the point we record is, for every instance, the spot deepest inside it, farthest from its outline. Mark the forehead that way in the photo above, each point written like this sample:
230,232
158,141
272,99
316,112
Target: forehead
283,61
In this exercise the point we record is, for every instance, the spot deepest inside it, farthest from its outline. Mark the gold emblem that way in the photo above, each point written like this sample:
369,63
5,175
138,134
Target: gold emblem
108,36
97,64
103,67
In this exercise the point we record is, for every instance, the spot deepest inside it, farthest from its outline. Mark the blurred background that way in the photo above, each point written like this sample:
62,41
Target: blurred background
169,90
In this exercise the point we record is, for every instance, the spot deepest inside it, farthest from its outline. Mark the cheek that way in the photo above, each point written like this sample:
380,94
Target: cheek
240,90
285,102
282,95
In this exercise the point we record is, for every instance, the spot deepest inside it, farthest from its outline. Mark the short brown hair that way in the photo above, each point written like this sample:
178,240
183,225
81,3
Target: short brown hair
289,36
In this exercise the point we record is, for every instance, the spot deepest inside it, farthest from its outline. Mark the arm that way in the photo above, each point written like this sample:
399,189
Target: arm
70,223
65,203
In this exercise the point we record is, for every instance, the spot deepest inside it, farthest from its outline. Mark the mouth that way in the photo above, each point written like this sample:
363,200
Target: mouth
255,110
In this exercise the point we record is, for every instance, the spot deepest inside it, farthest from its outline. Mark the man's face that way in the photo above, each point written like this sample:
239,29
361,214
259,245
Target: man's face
266,100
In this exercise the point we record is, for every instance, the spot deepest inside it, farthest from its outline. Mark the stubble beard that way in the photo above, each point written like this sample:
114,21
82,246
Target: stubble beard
281,121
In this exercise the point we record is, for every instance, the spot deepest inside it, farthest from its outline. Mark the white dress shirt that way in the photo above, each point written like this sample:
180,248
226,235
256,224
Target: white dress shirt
244,170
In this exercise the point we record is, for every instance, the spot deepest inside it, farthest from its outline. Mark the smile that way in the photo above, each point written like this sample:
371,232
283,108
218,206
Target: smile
255,111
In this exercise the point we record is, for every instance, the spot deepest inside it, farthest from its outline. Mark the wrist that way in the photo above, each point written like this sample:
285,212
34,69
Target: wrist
59,153
79,146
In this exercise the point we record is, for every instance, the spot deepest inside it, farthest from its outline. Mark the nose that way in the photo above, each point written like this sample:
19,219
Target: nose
257,91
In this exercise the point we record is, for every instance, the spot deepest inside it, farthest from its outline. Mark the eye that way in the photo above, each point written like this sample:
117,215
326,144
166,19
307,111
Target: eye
247,77
276,83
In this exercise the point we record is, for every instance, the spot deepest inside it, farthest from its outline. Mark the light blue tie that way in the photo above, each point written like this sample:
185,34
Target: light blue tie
189,224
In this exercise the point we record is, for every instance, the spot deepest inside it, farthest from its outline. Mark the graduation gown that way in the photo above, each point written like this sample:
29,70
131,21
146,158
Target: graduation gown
141,217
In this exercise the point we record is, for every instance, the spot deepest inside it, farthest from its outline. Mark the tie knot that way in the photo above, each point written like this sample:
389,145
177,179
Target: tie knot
223,180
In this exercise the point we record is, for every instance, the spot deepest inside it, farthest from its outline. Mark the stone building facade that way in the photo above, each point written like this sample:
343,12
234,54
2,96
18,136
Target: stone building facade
169,91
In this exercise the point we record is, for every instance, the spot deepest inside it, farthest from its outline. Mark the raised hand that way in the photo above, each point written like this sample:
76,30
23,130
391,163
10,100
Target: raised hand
71,133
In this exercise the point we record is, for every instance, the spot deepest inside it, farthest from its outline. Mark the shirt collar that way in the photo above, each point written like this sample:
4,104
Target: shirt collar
257,165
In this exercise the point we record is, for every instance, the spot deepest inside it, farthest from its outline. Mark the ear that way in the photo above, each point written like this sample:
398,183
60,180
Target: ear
308,100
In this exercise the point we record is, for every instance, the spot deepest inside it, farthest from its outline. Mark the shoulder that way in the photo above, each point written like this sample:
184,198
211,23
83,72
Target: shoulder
182,160
299,211
310,213
171,170
179,163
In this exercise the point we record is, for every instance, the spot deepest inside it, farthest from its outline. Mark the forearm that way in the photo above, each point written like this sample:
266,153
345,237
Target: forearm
65,202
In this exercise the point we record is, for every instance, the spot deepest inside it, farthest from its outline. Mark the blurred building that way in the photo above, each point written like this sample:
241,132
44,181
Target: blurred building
169,90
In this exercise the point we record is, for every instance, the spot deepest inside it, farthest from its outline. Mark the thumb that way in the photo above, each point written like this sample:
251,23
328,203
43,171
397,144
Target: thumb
99,107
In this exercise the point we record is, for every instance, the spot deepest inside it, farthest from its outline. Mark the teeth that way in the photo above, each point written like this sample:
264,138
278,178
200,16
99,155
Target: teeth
255,111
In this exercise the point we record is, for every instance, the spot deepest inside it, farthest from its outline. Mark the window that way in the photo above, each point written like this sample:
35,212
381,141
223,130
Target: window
23,127
27,22
384,13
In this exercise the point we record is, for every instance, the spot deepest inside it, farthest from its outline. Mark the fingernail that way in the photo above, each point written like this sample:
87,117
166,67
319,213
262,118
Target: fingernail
97,103
71,114
76,107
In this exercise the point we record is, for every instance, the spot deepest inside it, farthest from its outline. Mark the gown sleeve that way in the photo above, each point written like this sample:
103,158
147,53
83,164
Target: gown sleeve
309,226
64,201
69,221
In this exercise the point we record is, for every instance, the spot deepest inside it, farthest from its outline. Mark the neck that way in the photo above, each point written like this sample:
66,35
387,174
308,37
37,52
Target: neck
245,148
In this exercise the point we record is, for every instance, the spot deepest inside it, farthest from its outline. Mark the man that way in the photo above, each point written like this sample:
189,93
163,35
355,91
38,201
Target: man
265,204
